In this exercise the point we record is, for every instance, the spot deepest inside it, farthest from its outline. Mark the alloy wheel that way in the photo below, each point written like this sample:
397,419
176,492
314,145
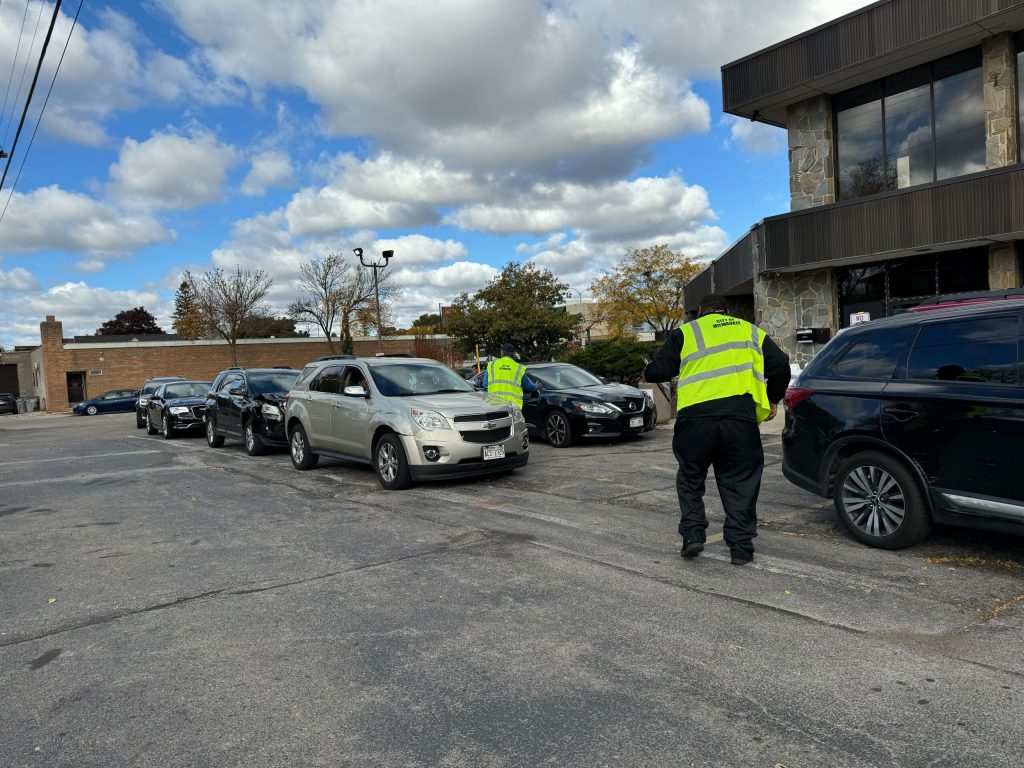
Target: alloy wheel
166,426
874,500
387,461
558,429
298,447
250,439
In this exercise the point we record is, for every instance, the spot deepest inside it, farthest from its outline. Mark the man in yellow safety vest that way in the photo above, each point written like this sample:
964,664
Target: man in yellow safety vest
507,378
731,378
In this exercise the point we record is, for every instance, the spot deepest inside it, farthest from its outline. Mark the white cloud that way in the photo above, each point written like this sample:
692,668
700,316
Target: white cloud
419,249
759,138
479,85
18,279
80,307
645,207
272,168
172,171
330,210
455,278
50,218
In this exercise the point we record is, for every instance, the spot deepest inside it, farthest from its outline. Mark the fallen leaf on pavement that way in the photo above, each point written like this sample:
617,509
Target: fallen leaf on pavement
51,600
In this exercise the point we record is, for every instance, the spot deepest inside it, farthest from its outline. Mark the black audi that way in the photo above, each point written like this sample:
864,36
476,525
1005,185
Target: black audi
177,407
574,404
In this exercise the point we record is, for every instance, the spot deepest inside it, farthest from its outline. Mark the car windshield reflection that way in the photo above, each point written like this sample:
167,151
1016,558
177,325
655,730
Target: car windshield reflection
557,377
187,389
406,379
266,383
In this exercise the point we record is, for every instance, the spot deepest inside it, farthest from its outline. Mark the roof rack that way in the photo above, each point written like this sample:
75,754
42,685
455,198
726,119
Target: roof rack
334,357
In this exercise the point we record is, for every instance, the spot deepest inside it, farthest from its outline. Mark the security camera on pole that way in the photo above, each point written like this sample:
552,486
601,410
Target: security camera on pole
376,265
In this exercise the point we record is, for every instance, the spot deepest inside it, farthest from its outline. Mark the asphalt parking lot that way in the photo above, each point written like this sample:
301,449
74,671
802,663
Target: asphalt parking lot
164,603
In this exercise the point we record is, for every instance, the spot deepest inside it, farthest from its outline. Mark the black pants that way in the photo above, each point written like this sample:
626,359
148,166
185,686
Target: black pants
733,447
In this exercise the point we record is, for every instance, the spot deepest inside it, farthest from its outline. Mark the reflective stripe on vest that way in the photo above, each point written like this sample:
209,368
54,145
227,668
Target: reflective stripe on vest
505,379
722,357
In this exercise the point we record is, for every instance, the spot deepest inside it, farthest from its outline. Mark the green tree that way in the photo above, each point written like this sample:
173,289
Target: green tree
134,322
427,323
646,286
621,359
517,306
189,322
263,325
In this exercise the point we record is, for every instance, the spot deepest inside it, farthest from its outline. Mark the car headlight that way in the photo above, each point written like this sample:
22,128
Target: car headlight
143,401
517,416
598,409
429,420
271,411
178,409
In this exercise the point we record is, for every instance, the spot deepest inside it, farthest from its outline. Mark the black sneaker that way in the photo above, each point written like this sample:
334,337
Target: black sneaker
691,548
741,558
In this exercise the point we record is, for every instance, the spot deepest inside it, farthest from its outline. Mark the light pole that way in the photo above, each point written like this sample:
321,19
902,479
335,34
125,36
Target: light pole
578,293
375,265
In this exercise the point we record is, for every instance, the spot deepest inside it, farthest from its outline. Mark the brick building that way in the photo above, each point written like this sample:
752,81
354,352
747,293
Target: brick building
903,121
67,371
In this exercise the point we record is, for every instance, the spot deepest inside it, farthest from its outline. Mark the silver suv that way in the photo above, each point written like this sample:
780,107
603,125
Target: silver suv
412,419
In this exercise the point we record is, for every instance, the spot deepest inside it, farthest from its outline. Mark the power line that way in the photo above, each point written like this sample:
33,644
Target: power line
39,121
14,62
21,83
31,91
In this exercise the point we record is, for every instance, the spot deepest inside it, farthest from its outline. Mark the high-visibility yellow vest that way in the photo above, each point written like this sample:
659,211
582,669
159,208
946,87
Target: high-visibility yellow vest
721,357
505,379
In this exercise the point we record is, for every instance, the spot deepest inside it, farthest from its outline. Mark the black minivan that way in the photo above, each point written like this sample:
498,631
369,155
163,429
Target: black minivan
915,419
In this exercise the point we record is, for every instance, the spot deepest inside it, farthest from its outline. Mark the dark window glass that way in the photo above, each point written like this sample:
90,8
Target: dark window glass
860,284
963,271
355,378
859,141
908,129
982,351
328,381
959,115
874,356
912,277
267,383
229,382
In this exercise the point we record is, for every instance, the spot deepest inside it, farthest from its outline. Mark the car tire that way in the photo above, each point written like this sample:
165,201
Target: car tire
880,501
150,429
391,464
302,455
212,438
557,431
165,427
92,410
140,422
254,444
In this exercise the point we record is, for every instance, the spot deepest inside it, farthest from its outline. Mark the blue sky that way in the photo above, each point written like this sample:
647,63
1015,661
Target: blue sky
462,134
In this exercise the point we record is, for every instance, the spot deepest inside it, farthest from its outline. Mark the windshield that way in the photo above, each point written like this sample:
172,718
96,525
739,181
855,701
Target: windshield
265,383
151,386
417,379
186,389
562,377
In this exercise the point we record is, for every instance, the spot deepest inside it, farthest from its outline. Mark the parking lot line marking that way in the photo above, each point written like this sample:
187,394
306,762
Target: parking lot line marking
77,458
96,476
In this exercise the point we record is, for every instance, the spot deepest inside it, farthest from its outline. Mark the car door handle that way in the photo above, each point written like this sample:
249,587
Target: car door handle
899,413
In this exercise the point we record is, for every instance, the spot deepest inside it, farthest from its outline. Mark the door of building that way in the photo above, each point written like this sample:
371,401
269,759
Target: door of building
9,379
76,387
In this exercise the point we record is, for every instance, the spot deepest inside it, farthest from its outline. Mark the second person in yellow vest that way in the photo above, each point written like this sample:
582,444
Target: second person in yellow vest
506,378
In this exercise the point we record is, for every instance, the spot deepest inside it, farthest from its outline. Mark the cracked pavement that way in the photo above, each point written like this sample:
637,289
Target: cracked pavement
167,604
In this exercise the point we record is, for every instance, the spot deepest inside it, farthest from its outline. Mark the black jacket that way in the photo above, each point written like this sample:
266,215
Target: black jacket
665,367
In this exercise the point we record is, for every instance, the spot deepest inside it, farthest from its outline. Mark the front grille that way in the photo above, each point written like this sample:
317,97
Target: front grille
631,405
199,411
492,416
487,435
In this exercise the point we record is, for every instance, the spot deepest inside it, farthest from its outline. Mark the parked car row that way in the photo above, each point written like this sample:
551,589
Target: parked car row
411,419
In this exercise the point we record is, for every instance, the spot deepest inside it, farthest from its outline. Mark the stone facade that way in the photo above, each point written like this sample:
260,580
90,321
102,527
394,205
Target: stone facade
1003,266
786,302
811,167
1000,82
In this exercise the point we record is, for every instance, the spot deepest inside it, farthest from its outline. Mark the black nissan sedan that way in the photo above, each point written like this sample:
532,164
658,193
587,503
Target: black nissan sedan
177,407
574,404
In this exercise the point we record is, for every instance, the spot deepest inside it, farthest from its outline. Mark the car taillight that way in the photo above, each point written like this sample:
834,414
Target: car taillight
796,395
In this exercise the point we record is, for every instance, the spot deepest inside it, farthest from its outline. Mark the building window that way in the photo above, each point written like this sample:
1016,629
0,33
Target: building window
918,126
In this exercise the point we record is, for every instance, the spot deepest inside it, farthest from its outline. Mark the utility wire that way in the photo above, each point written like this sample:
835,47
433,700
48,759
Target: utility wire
46,101
31,91
14,62
21,83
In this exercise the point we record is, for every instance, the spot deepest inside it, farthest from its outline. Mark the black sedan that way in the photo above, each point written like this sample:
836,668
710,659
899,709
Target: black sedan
114,401
8,403
176,407
573,404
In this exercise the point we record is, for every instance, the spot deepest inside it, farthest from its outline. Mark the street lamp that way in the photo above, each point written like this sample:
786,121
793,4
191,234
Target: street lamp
578,293
375,266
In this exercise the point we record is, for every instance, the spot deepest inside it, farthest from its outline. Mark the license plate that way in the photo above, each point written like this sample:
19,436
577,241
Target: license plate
494,452
636,421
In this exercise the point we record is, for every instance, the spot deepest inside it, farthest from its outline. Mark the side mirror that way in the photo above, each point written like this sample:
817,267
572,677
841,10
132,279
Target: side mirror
236,389
355,391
